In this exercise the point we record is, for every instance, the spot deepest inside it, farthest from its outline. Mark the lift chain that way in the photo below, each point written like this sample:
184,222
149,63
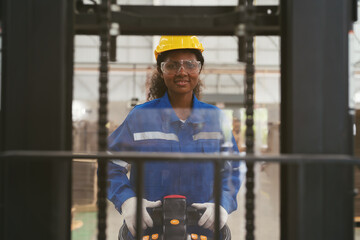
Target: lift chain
249,103
104,20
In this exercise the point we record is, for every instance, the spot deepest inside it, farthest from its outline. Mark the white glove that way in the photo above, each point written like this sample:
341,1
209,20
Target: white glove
207,220
129,213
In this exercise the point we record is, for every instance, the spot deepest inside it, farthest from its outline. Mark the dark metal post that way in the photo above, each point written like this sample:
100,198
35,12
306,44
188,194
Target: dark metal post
241,39
139,194
104,16
249,103
218,165
35,114
316,200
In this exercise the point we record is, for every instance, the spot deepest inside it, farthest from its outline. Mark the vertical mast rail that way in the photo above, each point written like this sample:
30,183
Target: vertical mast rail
104,17
249,103
218,165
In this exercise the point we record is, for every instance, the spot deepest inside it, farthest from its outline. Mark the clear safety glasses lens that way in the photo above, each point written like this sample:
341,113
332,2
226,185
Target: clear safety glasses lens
173,67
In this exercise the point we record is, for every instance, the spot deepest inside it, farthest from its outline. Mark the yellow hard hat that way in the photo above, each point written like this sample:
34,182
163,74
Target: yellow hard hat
168,43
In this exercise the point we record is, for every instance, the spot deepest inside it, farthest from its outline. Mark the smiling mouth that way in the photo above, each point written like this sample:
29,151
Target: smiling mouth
181,82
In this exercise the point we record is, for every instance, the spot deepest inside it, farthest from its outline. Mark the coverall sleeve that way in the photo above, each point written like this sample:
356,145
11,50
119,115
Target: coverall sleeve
232,177
119,187
231,172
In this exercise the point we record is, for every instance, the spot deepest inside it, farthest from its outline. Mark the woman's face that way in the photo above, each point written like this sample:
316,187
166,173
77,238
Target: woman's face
184,80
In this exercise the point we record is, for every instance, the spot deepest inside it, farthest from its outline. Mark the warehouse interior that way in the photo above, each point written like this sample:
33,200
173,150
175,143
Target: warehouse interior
224,79
223,76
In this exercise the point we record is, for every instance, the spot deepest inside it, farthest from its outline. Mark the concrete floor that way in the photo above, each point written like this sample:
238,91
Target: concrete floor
267,208
357,234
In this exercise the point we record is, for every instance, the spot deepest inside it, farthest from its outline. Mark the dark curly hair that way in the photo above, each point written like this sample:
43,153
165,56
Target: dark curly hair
157,86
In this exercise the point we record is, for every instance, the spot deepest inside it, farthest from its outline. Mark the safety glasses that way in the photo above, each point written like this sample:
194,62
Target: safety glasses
173,67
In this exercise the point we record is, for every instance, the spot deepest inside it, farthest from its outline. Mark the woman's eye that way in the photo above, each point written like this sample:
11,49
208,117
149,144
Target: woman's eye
171,66
190,65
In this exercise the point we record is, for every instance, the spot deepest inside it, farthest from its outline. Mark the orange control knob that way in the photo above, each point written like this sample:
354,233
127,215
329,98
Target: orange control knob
146,237
194,236
155,236
202,237
174,222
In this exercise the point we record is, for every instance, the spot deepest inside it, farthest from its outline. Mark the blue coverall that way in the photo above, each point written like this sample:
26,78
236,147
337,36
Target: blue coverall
154,127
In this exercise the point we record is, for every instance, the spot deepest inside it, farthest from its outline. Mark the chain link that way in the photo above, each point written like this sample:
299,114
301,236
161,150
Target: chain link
104,20
249,103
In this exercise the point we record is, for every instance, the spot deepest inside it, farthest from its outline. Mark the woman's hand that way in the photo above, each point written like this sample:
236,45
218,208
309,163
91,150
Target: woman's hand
129,213
207,220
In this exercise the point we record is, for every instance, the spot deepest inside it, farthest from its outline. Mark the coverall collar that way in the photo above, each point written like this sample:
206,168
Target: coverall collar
196,116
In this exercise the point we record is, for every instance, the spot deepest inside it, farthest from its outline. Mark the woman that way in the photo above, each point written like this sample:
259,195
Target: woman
174,121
